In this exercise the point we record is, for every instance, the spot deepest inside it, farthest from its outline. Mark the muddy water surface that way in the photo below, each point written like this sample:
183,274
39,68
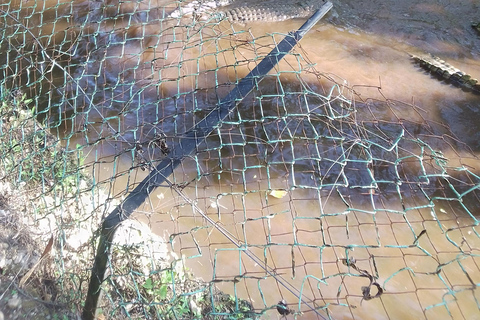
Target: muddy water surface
368,46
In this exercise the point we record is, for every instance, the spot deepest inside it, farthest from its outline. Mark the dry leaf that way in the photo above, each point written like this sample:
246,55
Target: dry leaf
279,194
27,275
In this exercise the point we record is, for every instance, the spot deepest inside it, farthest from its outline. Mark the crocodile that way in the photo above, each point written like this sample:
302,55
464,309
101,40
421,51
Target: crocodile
250,10
447,72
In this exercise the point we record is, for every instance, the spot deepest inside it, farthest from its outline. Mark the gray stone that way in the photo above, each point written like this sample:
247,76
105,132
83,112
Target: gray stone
2,317
21,257
3,255
14,302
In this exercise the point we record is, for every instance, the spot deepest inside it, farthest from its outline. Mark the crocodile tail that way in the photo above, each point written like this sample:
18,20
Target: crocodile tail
447,72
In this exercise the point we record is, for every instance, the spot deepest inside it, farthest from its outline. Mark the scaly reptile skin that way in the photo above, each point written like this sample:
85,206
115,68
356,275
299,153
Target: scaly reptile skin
447,72
251,10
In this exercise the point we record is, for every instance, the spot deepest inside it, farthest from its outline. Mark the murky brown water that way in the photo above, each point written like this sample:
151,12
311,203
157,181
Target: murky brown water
367,45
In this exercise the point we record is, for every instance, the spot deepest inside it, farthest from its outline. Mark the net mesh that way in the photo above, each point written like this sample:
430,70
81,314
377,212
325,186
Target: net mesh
309,199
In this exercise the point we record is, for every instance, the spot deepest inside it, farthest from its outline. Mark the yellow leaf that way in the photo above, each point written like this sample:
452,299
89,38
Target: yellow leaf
278,193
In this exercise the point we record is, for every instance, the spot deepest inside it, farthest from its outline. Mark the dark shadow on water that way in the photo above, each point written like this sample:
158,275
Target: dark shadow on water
114,81
360,156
